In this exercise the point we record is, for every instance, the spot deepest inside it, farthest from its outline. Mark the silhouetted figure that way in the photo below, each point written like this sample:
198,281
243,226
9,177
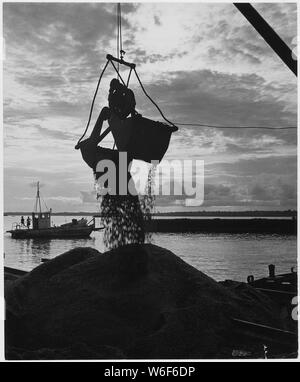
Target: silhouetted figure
28,221
22,220
121,214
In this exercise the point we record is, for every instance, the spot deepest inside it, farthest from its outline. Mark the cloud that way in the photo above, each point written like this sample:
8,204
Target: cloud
58,26
274,194
278,192
88,196
281,16
260,193
214,97
41,80
267,181
199,62
48,133
271,165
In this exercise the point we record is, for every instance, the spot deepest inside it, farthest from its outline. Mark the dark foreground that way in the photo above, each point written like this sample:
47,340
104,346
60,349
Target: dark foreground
136,302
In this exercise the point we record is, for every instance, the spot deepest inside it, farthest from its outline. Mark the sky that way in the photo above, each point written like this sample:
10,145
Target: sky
202,63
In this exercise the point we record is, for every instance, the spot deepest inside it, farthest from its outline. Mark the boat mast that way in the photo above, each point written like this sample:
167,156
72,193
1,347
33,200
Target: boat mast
38,199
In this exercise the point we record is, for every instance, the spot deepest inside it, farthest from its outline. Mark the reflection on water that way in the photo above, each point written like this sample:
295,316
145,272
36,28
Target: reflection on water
27,253
220,256
233,256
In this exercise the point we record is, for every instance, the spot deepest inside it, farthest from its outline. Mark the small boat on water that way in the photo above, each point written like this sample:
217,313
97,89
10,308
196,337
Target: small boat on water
41,226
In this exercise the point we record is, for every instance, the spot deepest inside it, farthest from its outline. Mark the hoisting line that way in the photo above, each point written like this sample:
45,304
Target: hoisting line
92,106
244,8
237,127
132,68
120,60
119,33
147,95
119,51
119,47
118,73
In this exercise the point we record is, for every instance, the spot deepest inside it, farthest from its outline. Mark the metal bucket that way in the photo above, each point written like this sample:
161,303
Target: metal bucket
140,137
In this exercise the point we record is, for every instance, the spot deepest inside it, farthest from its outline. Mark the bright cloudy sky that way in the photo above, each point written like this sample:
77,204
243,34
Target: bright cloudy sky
201,62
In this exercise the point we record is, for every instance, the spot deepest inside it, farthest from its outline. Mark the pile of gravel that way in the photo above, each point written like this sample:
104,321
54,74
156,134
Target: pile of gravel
137,301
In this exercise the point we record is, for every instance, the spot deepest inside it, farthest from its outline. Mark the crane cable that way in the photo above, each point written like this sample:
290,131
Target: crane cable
120,53
175,123
154,103
92,105
120,50
119,47
119,34
237,127
120,31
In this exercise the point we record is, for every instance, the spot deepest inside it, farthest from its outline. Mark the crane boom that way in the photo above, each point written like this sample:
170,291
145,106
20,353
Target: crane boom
268,34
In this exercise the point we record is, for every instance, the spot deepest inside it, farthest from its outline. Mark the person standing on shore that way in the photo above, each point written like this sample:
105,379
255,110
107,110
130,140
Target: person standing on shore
22,220
28,221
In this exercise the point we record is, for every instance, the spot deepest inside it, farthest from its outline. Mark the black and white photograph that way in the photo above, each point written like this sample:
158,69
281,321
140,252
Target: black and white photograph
149,183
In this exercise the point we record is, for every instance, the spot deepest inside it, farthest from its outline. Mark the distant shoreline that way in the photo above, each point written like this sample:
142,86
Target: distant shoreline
218,225
250,214
259,223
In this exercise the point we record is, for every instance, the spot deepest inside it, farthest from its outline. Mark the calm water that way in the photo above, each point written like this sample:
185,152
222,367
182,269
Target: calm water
221,256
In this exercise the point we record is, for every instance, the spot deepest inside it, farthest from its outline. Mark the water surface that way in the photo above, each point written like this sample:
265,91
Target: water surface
221,256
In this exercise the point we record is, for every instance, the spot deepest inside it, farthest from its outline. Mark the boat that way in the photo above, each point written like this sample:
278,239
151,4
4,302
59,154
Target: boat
42,229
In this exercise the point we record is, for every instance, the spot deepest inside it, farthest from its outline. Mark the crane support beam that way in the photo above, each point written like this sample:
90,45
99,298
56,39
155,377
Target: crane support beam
268,34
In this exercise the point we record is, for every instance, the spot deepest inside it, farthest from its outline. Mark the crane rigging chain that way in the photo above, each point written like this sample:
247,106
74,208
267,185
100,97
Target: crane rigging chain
111,59
118,100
